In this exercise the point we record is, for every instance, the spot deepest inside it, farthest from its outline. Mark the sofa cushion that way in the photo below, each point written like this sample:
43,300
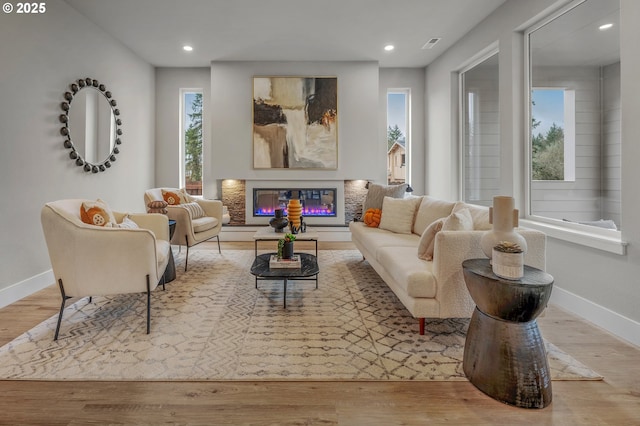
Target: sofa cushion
428,240
202,224
374,238
479,214
398,214
429,211
376,194
458,221
414,275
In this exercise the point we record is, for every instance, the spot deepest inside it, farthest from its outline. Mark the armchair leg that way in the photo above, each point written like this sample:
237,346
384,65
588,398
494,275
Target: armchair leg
64,301
218,237
148,305
186,257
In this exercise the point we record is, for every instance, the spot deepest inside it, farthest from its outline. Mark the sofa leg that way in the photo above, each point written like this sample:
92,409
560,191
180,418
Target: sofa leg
186,258
421,321
218,237
64,301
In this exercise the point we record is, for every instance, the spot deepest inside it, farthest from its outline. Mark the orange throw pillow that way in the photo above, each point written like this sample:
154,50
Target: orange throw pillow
172,198
372,217
96,213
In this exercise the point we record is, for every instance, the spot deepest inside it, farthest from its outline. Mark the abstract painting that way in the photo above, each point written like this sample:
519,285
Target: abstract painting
295,122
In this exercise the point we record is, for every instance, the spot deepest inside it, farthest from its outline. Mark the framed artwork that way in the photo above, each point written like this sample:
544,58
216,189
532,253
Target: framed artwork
295,123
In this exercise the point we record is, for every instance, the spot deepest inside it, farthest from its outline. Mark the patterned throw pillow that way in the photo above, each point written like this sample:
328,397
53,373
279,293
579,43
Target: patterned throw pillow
157,207
173,198
96,213
195,210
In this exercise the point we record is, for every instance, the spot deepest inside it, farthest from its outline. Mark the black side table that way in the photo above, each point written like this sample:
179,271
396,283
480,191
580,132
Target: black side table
170,271
504,354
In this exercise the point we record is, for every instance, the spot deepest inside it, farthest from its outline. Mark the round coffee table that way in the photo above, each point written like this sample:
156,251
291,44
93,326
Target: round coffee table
504,353
309,268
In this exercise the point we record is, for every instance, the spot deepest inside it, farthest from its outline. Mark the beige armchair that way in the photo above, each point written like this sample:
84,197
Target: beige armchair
190,229
90,260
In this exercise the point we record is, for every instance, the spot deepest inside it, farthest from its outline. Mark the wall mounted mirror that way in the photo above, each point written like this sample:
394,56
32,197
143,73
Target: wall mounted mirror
91,125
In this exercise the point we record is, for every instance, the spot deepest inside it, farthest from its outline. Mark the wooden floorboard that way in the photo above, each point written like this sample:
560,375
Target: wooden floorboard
613,401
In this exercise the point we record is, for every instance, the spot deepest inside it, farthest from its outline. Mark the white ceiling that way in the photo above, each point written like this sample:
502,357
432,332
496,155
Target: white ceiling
285,30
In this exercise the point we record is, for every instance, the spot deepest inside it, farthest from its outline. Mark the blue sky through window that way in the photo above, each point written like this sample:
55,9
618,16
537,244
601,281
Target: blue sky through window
396,111
548,108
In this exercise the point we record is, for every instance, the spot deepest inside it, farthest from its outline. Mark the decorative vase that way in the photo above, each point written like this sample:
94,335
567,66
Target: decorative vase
279,222
508,265
287,250
294,212
504,217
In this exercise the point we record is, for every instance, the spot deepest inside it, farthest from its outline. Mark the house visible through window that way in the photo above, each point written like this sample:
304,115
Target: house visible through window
397,135
191,141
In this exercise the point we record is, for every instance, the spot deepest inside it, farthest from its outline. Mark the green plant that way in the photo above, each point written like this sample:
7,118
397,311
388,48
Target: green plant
508,247
288,238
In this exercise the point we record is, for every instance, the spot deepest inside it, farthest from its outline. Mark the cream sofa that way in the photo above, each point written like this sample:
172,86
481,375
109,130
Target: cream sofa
434,289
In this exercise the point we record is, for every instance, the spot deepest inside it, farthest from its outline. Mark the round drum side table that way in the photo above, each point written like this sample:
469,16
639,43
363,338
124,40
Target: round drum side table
504,353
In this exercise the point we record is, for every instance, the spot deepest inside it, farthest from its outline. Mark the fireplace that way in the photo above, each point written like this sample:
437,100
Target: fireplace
322,200
316,202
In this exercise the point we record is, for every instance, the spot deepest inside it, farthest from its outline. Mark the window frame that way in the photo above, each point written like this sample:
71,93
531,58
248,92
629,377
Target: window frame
181,137
602,239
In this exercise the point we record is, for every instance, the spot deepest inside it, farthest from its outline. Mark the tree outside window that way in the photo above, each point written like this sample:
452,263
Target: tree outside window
193,143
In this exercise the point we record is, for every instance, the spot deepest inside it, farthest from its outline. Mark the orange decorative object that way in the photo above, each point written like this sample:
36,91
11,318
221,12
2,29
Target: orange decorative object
294,212
171,198
372,217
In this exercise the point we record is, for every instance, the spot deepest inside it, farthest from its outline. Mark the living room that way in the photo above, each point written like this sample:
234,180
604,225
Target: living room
48,52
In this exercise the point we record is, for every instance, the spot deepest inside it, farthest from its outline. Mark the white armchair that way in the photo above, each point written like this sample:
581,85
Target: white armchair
190,229
89,260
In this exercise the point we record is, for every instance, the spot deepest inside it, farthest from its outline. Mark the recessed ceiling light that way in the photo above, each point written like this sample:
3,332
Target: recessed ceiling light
605,27
389,47
187,48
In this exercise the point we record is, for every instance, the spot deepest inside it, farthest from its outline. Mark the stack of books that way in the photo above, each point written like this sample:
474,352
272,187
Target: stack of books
276,262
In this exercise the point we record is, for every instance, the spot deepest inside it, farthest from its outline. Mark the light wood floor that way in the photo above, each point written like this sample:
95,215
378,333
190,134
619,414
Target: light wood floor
614,401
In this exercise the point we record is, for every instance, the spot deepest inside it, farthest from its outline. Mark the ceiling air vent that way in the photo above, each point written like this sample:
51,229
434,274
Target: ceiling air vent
432,42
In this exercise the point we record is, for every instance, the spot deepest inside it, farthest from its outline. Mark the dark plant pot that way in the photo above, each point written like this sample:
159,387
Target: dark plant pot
287,250
279,222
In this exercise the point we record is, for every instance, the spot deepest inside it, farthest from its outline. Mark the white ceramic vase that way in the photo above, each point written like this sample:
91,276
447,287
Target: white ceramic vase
504,217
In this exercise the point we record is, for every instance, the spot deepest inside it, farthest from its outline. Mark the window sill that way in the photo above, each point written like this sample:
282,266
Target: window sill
609,241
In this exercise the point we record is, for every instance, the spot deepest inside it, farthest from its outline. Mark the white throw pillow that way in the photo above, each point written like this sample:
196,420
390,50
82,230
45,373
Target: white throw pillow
429,211
127,223
398,214
428,240
458,221
480,215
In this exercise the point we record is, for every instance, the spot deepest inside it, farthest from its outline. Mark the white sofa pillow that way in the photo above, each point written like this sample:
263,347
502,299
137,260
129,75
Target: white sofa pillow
195,210
397,214
458,221
479,214
429,211
428,240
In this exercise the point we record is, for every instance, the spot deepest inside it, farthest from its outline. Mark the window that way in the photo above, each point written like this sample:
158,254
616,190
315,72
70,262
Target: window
398,130
480,129
573,174
191,141
553,134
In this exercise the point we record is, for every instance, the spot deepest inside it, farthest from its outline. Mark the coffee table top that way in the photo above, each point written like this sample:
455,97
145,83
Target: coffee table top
309,267
268,233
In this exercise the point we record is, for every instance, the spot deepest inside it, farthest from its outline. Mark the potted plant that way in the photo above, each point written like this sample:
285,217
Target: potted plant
285,246
508,260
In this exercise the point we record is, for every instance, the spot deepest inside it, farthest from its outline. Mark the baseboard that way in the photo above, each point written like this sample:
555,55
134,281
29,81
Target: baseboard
24,288
623,327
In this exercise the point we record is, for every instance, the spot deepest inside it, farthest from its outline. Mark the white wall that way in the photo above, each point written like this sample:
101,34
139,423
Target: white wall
600,286
361,153
412,79
40,55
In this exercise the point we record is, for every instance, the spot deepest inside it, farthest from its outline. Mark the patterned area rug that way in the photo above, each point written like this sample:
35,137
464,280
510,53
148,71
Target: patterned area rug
212,324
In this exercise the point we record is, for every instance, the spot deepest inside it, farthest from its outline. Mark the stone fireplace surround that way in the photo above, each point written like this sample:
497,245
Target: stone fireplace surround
237,196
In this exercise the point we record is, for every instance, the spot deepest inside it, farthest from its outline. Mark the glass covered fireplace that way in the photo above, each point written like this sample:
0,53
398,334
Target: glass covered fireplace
316,202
